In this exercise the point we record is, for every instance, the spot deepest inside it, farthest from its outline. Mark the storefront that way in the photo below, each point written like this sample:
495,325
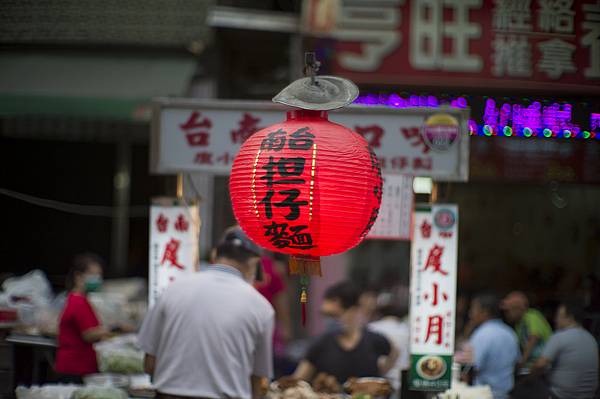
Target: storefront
529,72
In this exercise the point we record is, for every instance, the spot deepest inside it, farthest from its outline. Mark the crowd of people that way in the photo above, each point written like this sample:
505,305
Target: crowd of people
217,324
215,335
511,347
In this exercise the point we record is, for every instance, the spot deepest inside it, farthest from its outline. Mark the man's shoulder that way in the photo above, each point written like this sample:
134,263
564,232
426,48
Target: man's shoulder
378,326
494,329
256,303
373,334
534,316
323,341
579,335
263,305
481,333
507,331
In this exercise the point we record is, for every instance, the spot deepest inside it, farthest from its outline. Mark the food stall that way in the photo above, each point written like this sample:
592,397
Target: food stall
29,313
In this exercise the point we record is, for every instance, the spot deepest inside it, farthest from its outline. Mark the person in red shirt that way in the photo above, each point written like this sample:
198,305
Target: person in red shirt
273,288
79,327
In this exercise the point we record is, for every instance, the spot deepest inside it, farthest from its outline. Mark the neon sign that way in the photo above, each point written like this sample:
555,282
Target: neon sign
508,120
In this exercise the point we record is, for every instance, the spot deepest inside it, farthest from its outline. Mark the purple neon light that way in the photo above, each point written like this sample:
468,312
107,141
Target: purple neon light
533,119
594,122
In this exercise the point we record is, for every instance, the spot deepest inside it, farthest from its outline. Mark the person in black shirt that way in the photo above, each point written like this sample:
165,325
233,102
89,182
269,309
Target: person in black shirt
349,349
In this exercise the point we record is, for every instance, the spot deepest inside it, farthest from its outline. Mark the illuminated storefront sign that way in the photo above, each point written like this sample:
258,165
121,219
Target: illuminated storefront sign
507,119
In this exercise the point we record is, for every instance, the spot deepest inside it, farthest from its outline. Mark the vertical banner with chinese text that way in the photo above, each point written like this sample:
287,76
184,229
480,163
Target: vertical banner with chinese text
393,221
174,234
433,296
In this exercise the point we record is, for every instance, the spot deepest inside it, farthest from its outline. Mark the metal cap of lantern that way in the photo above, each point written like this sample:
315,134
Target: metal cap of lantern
317,93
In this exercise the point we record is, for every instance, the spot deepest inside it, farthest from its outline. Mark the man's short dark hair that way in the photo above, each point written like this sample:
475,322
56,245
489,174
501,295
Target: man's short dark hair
233,251
345,292
489,303
573,309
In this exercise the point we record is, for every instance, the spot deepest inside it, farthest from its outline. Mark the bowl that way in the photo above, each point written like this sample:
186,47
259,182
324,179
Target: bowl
374,387
431,367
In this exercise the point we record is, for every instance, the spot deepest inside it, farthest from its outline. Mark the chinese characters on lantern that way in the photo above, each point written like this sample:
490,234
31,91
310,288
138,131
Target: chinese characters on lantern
289,181
173,245
377,191
433,290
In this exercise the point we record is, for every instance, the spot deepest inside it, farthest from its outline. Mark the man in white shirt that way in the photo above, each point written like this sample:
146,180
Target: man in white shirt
210,335
393,325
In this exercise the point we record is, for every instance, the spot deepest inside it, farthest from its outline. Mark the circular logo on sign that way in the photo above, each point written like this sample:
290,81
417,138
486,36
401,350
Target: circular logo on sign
444,219
431,367
440,132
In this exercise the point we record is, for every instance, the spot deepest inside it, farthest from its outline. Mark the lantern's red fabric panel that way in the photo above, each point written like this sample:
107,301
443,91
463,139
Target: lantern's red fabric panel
307,186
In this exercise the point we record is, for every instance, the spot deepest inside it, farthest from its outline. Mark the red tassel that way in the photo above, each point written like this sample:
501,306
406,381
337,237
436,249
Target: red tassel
303,306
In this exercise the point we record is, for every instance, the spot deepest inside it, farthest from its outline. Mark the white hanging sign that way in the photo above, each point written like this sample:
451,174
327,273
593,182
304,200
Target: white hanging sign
205,136
393,221
433,295
174,233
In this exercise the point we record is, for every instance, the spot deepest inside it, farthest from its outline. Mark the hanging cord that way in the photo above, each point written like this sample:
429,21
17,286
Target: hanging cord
138,211
311,67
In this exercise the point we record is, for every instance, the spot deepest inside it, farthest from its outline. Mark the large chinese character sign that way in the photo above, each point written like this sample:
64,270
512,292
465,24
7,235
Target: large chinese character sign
174,232
306,187
433,296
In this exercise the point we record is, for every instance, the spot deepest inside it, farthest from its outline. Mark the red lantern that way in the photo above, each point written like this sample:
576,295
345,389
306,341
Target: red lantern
306,187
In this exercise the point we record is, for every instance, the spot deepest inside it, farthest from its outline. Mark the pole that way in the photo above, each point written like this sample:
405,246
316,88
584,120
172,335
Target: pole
179,190
434,193
120,220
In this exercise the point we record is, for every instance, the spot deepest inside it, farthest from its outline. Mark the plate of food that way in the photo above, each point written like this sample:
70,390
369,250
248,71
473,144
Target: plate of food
368,387
431,367
326,384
